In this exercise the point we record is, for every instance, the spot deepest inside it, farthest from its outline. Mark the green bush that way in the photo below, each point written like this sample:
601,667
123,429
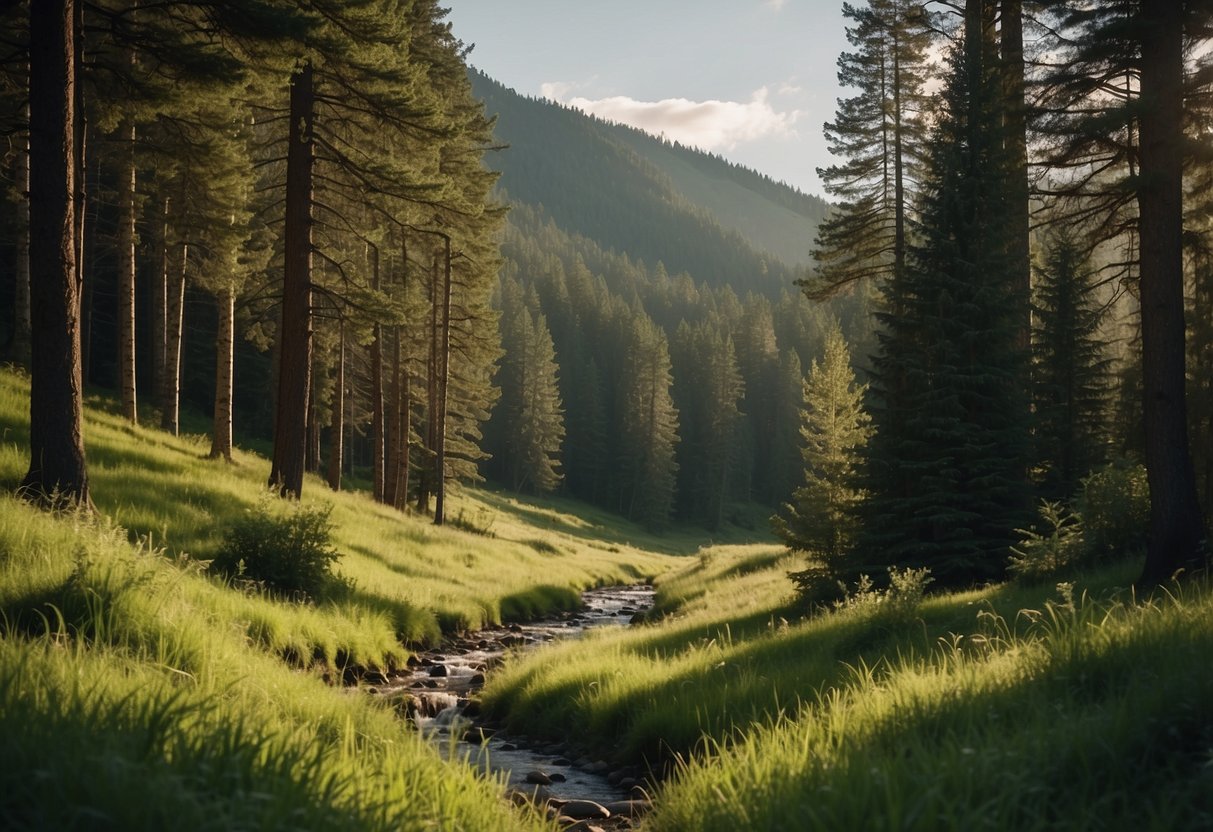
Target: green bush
1060,544
1114,505
284,547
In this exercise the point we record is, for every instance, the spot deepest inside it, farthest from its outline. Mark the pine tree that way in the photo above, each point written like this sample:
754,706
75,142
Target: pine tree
530,413
648,427
881,135
947,466
57,465
822,516
1071,370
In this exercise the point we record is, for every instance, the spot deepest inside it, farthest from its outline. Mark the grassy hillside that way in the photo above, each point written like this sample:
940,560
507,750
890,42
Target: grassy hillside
1011,707
138,692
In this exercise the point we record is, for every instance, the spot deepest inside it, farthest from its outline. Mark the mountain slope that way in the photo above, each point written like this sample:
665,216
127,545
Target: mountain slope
652,199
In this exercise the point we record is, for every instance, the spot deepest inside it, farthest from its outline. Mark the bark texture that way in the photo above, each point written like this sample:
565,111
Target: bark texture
57,466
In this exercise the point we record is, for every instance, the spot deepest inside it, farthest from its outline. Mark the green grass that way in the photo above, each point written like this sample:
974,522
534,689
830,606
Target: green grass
1000,708
411,580
133,696
137,691
1072,717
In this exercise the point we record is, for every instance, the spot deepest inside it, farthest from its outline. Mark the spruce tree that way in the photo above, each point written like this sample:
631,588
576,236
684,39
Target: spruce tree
648,434
947,466
1071,370
822,515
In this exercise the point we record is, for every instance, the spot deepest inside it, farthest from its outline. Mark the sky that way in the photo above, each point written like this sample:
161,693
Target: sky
750,80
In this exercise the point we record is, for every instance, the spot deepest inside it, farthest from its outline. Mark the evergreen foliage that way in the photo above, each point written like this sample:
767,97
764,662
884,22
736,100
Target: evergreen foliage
948,463
880,133
529,419
822,516
1070,369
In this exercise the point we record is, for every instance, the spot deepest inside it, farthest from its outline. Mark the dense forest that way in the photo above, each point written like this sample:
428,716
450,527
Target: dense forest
331,228
888,510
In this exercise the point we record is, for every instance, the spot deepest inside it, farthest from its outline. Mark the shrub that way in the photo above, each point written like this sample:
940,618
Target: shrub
1040,554
894,607
284,547
1114,505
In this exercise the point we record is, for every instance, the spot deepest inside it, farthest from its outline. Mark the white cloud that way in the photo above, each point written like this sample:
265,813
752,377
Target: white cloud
710,125
776,5
556,90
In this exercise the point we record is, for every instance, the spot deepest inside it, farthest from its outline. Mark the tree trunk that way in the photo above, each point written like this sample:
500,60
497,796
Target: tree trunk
376,350
431,400
170,394
444,372
225,345
1175,524
337,425
126,277
160,308
1016,146
295,332
21,310
391,417
57,467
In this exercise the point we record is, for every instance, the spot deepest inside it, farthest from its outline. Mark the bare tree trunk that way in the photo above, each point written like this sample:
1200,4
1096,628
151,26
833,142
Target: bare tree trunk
1176,528
57,466
225,345
376,350
443,377
170,396
126,277
21,311
337,425
1016,144
394,419
160,308
295,333
431,390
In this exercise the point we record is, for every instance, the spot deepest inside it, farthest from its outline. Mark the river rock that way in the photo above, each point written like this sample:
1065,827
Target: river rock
557,777
538,777
583,826
598,767
562,761
628,808
508,746
440,670
584,810
477,679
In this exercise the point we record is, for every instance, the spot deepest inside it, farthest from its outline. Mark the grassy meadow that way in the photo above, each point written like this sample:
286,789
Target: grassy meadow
137,691
1010,707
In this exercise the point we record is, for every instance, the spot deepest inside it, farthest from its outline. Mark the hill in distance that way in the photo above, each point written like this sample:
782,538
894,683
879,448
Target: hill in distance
650,198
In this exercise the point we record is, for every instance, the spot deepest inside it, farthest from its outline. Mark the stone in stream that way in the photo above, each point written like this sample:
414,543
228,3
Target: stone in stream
628,808
508,746
562,761
440,670
557,777
538,777
584,810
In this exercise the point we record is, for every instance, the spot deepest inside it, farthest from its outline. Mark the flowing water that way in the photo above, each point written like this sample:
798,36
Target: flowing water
434,692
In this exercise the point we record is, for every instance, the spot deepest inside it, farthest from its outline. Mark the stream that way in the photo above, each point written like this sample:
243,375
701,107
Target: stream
434,692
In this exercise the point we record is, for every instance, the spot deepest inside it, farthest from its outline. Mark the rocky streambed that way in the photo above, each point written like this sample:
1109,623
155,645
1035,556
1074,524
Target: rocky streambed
437,693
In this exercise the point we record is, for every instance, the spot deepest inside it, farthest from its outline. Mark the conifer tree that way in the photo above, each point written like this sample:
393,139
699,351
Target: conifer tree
948,463
648,427
822,515
530,413
1071,370
57,465
880,134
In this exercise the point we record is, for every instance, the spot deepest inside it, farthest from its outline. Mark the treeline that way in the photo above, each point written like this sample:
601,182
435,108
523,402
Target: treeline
645,392
1038,227
304,176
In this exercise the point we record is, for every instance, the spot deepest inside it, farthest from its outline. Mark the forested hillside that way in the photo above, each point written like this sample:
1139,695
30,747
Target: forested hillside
655,342
651,198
